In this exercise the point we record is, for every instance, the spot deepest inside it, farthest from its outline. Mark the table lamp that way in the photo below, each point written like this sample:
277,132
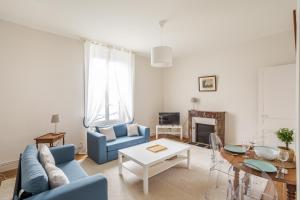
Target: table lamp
194,101
55,121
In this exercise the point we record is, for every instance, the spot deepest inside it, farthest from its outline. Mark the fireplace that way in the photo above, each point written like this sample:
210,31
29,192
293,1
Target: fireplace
202,123
203,132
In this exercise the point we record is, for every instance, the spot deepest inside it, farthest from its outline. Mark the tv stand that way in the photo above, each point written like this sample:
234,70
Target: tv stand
169,129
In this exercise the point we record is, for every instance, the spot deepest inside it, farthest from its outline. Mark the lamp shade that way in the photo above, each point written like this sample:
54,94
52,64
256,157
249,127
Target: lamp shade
195,100
55,118
161,56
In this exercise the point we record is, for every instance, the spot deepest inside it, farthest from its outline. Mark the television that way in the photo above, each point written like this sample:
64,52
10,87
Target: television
169,118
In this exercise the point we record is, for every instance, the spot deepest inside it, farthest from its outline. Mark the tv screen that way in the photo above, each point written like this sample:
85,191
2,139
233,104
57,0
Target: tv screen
169,118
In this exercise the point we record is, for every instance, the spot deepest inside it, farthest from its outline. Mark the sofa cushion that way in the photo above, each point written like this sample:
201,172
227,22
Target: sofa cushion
56,176
132,130
123,142
34,178
109,133
120,130
72,170
45,155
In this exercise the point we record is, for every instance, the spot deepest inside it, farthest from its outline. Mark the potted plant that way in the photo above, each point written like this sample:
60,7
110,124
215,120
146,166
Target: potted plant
286,136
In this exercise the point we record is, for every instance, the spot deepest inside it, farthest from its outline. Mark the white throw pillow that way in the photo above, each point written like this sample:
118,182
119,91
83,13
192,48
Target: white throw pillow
45,155
56,176
109,133
132,130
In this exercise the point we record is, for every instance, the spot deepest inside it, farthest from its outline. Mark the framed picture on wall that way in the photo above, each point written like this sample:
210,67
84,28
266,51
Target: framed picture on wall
207,83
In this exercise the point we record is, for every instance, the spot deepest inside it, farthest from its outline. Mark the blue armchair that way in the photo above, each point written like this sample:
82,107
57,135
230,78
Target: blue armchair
102,151
81,185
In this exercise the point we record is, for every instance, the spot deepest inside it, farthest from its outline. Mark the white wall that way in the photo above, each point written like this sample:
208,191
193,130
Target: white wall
237,75
148,93
42,74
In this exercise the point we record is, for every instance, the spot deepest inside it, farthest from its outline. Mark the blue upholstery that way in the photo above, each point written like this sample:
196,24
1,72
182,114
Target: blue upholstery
112,155
102,151
72,170
120,130
81,185
96,147
34,179
88,188
123,142
65,154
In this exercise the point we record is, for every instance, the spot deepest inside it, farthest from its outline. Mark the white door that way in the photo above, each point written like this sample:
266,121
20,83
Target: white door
277,102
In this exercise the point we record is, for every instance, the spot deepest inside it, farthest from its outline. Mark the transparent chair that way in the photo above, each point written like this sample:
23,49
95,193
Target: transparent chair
254,187
218,163
225,189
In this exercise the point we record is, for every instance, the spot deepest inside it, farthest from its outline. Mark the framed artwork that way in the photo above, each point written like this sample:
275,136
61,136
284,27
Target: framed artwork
207,83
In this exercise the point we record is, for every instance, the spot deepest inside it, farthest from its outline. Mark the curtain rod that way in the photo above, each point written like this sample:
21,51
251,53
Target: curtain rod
107,45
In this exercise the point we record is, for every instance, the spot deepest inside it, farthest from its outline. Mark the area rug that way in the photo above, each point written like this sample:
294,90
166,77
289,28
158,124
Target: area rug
176,183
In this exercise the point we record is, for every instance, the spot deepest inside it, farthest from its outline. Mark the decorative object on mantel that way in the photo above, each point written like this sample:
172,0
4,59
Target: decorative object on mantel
194,101
207,83
287,136
161,56
156,148
55,120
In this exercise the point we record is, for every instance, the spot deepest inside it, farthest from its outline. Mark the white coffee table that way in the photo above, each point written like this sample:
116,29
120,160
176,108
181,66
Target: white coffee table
145,164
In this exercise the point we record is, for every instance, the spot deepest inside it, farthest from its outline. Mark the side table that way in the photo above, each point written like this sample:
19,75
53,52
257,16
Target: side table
50,138
171,129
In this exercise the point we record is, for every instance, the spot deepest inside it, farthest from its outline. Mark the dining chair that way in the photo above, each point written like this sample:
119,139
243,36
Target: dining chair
255,187
218,164
224,191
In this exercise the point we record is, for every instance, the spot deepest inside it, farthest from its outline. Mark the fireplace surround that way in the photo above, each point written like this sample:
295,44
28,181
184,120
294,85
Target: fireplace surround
205,119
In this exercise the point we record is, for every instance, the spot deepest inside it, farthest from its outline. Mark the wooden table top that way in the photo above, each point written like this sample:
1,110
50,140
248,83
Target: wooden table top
237,160
51,136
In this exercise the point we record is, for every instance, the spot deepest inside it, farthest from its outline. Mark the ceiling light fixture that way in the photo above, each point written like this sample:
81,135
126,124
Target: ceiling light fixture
161,56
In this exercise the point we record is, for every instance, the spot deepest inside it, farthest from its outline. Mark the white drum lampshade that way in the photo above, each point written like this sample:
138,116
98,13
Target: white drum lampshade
161,56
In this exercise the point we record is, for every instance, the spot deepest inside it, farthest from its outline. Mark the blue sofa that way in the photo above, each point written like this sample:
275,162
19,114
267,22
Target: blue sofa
102,151
32,177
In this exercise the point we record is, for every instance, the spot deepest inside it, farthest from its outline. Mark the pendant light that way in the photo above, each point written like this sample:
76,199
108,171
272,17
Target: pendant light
161,56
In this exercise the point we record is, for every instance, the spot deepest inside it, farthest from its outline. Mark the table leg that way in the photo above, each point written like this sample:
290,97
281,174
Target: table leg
189,159
145,180
291,192
64,140
181,136
51,144
120,162
37,144
156,134
236,181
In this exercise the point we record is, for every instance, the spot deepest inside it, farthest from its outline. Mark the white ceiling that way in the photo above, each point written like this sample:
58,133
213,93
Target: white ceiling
193,25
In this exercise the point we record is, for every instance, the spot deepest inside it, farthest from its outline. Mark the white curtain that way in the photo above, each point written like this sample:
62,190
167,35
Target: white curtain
109,85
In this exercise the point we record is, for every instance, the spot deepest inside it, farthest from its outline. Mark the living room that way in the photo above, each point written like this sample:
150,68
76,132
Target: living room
231,65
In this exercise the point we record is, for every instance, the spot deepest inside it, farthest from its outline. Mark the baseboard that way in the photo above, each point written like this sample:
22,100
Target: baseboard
9,165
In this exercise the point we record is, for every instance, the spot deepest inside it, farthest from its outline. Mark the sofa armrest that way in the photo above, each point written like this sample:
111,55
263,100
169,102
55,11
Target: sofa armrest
63,153
89,188
144,131
96,147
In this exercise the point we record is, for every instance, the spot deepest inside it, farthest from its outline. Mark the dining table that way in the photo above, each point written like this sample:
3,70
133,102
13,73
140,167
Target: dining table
288,181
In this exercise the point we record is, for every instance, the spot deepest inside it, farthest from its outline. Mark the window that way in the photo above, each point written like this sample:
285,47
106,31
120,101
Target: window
108,85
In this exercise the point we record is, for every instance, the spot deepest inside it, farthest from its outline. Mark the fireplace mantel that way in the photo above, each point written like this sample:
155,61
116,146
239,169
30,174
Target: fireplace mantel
219,119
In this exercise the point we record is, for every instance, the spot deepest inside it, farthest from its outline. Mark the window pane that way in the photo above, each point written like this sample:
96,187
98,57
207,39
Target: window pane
98,77
114,98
